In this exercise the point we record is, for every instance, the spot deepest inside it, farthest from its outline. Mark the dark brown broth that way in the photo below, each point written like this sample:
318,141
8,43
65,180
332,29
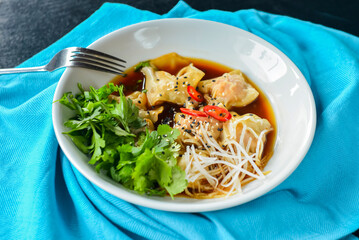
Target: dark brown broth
134,81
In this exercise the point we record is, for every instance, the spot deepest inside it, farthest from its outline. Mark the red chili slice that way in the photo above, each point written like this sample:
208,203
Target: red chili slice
193,112
218,113
194,94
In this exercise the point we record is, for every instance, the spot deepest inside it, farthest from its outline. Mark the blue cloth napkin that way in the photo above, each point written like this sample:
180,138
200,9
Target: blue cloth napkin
42,196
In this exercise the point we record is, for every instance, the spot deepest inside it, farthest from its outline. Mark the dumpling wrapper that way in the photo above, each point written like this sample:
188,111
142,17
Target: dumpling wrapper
140,100
190,130
162,86
232,129
230,89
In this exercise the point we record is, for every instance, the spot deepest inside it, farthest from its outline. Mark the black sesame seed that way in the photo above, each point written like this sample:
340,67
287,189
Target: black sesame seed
139,101
188,84
213,80
185,77
210,136
176,86
180,155
182,115
189,98
176,90
184,83
160,95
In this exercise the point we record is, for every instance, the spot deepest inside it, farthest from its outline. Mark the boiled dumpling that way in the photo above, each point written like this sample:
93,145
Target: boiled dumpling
139,99
190,129
231,89
246,130
162,86
151,114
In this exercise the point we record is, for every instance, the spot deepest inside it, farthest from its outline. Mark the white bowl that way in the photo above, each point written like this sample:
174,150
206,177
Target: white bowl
265,65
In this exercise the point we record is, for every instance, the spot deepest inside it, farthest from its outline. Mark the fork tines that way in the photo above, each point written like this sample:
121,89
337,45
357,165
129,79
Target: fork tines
92,59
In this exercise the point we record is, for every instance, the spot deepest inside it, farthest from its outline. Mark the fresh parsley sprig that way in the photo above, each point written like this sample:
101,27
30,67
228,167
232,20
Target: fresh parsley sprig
105,129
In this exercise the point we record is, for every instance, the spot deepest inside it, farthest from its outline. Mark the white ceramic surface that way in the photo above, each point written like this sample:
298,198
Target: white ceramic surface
264,64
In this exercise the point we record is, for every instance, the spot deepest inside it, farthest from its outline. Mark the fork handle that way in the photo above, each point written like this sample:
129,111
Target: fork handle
22,70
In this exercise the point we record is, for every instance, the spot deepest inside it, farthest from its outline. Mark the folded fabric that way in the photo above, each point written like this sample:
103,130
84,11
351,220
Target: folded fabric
42,196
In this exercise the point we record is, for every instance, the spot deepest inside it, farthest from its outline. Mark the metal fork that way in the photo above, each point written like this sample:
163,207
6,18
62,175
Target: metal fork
77,57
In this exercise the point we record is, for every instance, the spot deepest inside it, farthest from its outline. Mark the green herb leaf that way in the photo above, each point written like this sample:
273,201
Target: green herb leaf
141,65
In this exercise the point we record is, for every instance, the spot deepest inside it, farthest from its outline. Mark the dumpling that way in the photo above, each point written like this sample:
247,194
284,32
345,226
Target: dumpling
138,98
190,129
162,86
246,130
231,89
151,114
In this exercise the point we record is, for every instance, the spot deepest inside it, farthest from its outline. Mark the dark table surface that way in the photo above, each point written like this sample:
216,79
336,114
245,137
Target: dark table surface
27,27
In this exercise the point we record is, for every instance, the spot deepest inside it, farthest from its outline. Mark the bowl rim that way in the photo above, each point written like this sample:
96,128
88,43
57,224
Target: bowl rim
199,206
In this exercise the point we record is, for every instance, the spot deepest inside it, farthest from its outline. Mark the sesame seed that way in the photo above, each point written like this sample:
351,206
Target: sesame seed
185,77
139,101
